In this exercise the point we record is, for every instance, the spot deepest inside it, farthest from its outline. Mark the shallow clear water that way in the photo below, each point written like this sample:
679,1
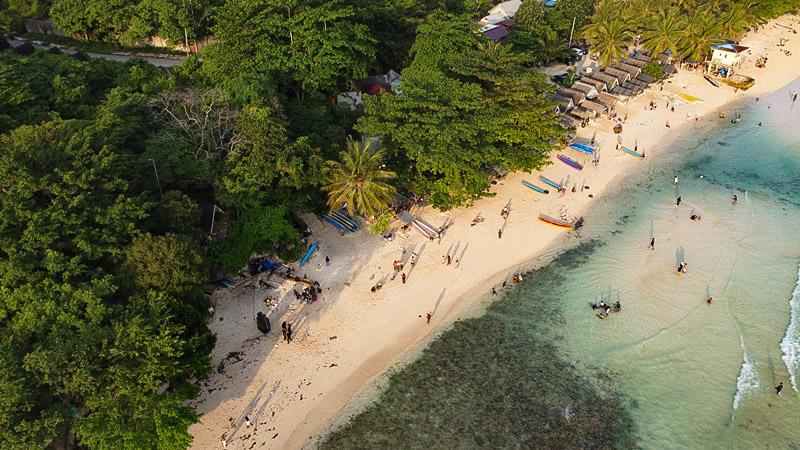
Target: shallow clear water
670,370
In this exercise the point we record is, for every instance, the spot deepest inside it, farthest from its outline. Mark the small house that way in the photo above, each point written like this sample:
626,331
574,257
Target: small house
494,32
611,82
508,9
725,59
576,95
588,90
620,75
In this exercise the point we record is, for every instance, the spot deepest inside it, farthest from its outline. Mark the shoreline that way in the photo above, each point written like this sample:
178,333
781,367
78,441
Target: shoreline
350,341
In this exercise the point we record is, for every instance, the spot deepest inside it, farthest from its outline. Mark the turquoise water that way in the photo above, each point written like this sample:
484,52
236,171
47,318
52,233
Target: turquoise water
538,369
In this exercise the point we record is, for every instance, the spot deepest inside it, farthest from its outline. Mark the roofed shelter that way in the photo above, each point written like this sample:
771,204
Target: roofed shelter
508,9
725,59
589,90
620,75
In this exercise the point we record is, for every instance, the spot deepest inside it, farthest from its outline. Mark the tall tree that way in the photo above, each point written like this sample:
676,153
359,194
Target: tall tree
662,31
359,180
464,108
608,34
311,45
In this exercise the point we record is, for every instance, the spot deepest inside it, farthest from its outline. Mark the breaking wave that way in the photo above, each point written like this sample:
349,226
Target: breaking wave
790,344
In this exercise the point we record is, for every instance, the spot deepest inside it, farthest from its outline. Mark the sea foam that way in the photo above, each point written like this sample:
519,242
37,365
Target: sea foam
790,344
747,380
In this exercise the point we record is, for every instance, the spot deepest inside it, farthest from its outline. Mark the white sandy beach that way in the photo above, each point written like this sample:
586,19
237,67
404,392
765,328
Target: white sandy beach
347,339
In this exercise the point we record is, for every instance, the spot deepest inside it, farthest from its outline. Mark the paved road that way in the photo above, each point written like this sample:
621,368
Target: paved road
156,60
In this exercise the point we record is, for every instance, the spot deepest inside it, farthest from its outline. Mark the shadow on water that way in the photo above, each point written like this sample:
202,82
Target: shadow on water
500,380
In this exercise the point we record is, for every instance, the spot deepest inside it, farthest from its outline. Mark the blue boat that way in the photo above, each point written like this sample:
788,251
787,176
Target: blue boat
570,162
335,223
535,188
345,219
549,182
583,148
631,152
308,254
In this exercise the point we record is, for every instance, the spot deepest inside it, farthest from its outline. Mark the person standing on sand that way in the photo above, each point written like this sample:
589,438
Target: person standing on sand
283,330
652,245
448,260
675,181
428,316
779,388
224,440
327,261
678,201
709,300
289,333
494,291
403,277
500,233
735,199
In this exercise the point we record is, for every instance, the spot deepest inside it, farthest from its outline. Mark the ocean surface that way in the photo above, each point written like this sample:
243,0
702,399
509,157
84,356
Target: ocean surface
539,369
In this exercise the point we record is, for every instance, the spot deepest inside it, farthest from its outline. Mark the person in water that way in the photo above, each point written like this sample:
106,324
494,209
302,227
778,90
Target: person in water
709,300
779,388
678,201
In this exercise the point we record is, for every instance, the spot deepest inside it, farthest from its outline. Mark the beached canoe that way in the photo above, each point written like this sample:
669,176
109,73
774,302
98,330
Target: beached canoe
583,148
423,229
570,162
712,82
549,182
557,222
308,254
347,220
689,98
535,188
631,152
335,223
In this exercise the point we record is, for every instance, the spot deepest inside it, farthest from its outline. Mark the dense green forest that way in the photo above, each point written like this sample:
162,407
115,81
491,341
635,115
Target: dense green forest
109,172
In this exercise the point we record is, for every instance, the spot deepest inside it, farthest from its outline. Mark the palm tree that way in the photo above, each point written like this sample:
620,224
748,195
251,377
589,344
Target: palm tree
701,31
608,36
359,180
734,22
662,31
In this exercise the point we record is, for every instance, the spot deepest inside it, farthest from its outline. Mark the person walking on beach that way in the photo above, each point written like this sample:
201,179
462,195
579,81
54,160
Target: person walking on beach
735,199
247,421
448,259
327,261
224,440
283,330
428,317
678,201
779,388
494,291
652,245
289,333
403,277
675,181
500,233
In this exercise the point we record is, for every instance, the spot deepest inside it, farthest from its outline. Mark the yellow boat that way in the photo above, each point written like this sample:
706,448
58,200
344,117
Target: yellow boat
689,98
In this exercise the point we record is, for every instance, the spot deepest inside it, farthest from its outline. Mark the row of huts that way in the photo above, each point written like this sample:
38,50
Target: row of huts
597,93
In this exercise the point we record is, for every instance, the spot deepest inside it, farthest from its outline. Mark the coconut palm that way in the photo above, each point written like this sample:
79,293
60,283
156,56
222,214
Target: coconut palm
608,36
733,22
662,31
701,30
359,180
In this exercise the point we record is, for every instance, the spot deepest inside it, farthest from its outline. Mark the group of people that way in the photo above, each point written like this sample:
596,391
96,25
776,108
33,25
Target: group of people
605,309
309,294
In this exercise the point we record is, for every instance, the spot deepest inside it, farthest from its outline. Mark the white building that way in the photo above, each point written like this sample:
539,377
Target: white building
725,59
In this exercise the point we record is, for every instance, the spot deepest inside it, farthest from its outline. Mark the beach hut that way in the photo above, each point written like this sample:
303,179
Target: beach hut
598,84
725,59
576,95
564,103
570,122
606,99
633,71
596,108
645,78
611,82
641,56
582,114
620,75
635,62
588,90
